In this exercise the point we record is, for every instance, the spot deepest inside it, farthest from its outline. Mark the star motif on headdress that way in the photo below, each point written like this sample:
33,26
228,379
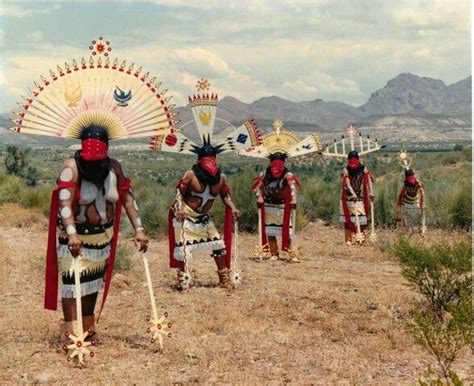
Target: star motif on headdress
351,131
202,85
278,124
100,47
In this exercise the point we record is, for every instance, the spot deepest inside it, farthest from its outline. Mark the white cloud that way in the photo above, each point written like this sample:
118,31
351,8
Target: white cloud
34,37
298,49
199,60
15,11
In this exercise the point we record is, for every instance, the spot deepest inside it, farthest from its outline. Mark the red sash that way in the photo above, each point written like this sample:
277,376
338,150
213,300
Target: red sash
52,267
113,249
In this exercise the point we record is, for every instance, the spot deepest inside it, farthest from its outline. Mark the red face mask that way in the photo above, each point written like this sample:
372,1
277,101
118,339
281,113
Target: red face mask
353,163
277,168
411,180
93,150
209,164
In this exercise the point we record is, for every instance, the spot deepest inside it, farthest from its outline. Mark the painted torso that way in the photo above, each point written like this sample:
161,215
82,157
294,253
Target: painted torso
200,196
97,203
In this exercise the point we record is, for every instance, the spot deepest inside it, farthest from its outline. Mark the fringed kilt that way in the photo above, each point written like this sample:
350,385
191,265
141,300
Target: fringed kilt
411,213
355,207
274,219
200,233
93,263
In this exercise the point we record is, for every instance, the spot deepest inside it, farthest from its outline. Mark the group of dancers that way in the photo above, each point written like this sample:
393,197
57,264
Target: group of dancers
101,100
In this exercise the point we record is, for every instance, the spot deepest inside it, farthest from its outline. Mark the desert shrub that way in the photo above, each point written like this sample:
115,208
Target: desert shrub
244,199
443,339
316,200
439,272
14,190
17,163
11,188
154,201
37,198
461,207
441,324
385,192
123,262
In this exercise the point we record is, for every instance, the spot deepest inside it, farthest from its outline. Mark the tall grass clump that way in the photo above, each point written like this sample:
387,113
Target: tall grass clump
14,190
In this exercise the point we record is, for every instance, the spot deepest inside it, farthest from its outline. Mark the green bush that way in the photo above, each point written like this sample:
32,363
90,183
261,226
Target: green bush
316,201
440,272
461,208
441,324
444,339
17,163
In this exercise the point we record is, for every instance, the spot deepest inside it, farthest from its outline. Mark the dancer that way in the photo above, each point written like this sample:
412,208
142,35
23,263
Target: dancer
87,101
357,194
411,202
276,190
190,225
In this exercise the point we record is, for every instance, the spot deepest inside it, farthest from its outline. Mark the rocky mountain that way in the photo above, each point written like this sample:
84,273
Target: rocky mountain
409,93
408,106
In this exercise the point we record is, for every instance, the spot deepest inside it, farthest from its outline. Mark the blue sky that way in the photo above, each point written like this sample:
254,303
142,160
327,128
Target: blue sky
297,49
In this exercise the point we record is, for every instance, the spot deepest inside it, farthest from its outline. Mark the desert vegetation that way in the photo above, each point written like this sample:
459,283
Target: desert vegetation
396,312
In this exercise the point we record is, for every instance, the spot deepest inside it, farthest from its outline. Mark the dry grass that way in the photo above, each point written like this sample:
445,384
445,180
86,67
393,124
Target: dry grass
335,318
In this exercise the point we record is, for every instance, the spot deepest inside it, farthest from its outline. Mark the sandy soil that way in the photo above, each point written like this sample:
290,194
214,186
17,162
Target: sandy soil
335,318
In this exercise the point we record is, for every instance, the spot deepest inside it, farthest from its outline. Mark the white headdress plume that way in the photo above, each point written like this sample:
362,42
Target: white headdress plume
124,101
204,109
352,141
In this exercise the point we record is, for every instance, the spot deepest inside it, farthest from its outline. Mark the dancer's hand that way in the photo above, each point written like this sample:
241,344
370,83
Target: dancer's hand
141,241
74,245
235,212
371,196
353,197
180,215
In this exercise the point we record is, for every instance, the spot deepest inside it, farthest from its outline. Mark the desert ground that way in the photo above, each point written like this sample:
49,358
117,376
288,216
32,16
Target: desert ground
336,318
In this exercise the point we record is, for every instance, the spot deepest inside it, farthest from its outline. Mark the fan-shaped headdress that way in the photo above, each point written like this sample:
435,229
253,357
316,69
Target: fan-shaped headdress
284,142
125,101
204,109
353,141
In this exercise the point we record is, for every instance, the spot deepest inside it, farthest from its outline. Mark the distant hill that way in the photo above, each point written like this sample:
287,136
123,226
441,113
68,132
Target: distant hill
409,93
408,108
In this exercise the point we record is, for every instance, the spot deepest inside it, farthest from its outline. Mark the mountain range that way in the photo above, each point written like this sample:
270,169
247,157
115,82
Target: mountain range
409,108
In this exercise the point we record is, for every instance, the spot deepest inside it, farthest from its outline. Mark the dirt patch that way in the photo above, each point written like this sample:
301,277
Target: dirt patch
335,318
